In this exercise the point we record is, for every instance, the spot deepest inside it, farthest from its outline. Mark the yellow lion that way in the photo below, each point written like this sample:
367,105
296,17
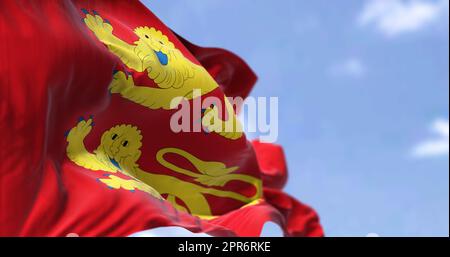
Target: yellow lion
119,151
176,76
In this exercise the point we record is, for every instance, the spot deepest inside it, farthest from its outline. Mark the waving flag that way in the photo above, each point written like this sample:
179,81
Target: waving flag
86,100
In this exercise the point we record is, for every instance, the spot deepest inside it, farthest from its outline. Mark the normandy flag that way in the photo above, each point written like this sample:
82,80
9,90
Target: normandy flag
87,147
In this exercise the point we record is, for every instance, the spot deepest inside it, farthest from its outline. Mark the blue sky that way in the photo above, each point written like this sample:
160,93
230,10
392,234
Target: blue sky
363,91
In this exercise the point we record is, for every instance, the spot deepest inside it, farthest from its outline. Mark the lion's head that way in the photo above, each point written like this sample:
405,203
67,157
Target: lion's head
120,146
165,64
154,40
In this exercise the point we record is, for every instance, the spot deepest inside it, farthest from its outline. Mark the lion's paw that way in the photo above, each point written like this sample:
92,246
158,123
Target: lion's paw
101,27
211,119
231,129
81,130
121,82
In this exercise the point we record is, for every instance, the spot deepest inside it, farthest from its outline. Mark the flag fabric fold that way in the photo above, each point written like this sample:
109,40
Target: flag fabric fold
234,76
272,164
88,148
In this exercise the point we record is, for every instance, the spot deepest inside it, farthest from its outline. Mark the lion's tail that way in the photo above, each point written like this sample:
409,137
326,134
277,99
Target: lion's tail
236,196
192,159
222,177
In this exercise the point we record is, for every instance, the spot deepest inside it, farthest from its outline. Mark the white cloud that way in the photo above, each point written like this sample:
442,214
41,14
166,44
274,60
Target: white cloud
351,67
394,17
438,146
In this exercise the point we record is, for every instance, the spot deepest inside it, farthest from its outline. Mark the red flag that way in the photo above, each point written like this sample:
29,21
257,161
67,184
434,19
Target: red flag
87,144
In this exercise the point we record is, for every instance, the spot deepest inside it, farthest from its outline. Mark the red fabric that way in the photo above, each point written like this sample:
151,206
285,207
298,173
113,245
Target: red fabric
234,76
272,163
52,71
